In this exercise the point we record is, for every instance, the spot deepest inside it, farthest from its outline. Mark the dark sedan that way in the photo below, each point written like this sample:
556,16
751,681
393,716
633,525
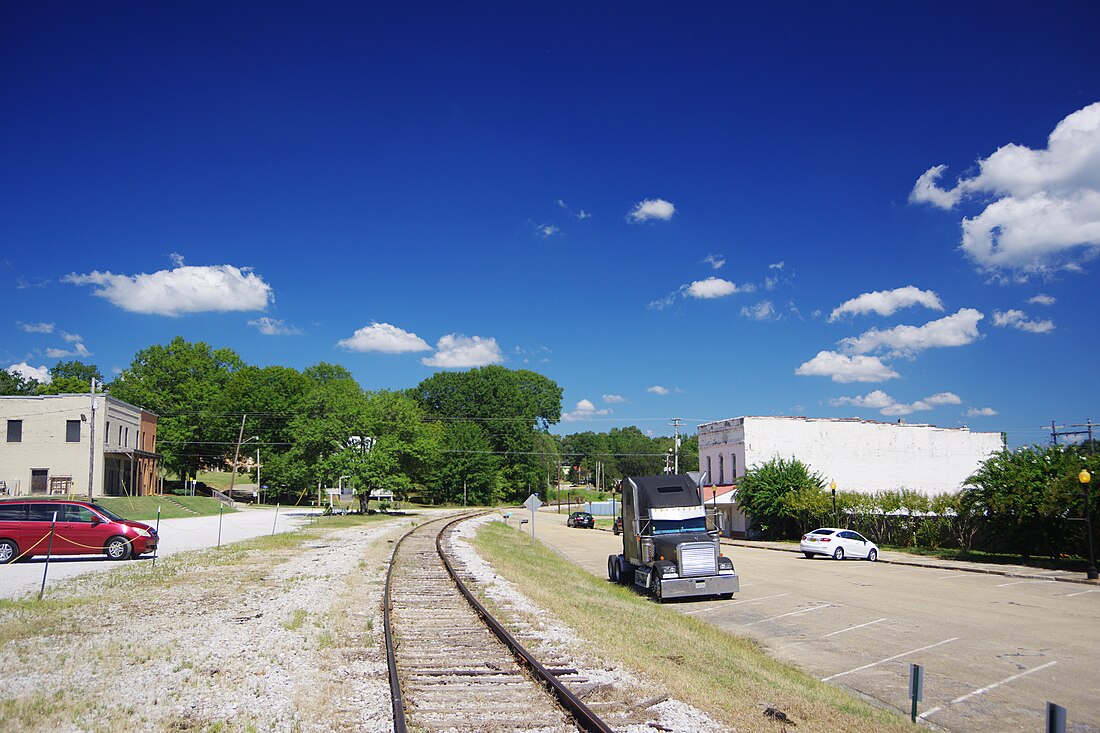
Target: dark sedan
580,519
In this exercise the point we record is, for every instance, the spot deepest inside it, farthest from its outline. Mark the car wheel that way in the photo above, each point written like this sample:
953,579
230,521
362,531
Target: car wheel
655,586
872,555
839,554
809,555
8,551
118,548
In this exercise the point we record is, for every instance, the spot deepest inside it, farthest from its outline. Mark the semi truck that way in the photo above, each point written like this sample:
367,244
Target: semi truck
668,548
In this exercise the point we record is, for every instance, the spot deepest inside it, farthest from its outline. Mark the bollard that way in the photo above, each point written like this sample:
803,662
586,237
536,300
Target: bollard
1056,718
158,539
276,521
49,549
916,687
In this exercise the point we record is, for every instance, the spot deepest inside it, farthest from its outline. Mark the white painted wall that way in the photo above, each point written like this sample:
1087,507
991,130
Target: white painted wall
43,444
860,455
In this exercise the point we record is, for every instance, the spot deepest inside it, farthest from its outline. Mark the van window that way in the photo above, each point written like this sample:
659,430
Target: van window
77,513
12,512
44,512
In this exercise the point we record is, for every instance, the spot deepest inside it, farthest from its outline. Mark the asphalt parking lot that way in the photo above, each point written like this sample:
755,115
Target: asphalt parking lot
995,648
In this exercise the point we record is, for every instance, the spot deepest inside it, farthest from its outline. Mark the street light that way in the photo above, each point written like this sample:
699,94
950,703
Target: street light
832,487
1085,477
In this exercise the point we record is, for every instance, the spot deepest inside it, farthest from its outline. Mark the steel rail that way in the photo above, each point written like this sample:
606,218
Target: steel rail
582,715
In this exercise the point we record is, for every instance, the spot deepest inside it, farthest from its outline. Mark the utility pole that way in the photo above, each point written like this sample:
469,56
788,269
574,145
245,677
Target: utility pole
1088,429
236,455
676,445
1055,434
91,446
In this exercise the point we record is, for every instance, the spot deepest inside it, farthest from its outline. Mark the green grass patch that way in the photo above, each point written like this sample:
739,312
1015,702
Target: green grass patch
144,508
726,676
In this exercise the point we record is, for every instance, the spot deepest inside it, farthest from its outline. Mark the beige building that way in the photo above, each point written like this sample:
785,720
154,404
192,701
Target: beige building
46,447
859,455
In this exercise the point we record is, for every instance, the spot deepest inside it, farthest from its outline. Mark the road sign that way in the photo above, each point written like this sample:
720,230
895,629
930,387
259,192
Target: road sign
533,502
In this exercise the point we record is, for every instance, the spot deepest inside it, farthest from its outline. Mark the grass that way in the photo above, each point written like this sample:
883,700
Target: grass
144,508
726,676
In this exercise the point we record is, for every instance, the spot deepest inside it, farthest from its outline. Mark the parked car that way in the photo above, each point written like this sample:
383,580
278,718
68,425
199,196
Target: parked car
82,528
580,519
617,525
837,544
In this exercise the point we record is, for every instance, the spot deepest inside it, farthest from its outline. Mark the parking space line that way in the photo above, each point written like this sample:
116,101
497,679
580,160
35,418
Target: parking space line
1024,582
987,688
890,659
1081,593
792,613
739,602
852,628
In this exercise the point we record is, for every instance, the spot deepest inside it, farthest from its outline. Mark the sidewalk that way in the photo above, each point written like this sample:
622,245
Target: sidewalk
903,558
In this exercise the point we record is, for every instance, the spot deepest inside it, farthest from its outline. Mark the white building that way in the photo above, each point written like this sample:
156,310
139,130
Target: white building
859,455
46,446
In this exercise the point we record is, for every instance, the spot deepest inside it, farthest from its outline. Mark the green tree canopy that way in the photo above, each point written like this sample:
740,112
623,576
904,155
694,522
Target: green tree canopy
764,489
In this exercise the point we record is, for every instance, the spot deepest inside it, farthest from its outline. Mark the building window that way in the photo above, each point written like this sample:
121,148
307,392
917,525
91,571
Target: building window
710,476
733,465
107,434
72,431
15,431
126,444
721,469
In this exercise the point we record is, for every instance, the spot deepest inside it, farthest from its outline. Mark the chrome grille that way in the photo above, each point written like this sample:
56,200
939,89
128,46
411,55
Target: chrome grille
698,558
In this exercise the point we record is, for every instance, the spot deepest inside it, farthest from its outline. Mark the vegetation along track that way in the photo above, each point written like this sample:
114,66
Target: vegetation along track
452,666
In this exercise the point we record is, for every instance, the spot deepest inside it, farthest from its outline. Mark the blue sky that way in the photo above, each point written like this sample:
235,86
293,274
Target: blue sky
834,210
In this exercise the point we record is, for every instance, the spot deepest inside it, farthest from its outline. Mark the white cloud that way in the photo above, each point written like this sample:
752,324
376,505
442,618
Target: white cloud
762,311
547,230
980,412
585,410
1019,320
651,209
928,403
844,369
274,327
35,327
383,338
185,289
658,390
1046,212
1042,299
712,287
954,330
876,400
715,261
777,265
25,370
457,351
886,302
78,349
613,399
887,405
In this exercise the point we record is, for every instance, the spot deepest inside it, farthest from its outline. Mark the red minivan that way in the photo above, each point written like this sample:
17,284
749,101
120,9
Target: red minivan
82,528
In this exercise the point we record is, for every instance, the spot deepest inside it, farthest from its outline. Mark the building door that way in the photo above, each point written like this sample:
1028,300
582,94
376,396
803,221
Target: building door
39,478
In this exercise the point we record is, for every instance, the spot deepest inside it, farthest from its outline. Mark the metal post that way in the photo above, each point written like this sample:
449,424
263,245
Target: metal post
1086,478
1056,718
276,519
259,487
91,446
49,549
158,538
220,505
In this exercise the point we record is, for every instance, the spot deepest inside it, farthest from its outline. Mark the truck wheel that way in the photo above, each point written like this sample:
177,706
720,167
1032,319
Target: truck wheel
613,570
655,587
626,572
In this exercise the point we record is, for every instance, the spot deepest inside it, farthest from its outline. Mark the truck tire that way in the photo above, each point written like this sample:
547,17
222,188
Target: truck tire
613,569
655,588
626,571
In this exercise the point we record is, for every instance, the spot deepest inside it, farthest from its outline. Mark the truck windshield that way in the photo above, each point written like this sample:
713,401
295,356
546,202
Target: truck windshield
676,526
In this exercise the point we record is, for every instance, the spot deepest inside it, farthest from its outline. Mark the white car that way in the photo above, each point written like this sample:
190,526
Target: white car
838,544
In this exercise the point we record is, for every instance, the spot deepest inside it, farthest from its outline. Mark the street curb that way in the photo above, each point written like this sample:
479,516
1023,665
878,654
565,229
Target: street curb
936,565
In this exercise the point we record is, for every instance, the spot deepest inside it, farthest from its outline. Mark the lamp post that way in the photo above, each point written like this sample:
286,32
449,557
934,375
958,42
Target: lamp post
832,487
1085,478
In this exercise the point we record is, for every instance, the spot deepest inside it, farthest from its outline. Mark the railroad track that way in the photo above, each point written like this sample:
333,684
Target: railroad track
452,666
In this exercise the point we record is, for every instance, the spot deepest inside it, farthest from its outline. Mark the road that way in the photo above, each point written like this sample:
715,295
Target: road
176,535
994,648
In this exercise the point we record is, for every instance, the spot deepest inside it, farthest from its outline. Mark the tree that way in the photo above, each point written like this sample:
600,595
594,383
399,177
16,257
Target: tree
181,383
72,377
14,383
763,489
1031,495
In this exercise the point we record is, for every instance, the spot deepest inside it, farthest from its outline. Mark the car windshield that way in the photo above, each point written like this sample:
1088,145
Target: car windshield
109,514
675,526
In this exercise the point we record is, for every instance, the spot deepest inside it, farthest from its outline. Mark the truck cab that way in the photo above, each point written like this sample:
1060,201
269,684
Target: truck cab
668,548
